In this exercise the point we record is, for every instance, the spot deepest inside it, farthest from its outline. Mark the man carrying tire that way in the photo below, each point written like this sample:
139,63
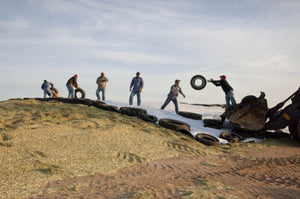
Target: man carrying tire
226,88
71,83
172,96
135,88
101,81
46,87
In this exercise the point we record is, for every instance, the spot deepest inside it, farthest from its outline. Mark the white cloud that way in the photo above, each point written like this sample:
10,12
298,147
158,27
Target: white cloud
253,42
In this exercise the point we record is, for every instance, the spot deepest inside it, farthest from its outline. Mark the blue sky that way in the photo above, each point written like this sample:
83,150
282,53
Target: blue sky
255,43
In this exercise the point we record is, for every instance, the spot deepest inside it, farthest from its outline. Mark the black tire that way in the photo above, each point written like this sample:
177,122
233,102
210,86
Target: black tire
207,139
80,90
148,118
226,136
193,82
111,108
54,90
98,104
249,98
194,116
131,111
174,125
61,99
212,123
80,101
235,135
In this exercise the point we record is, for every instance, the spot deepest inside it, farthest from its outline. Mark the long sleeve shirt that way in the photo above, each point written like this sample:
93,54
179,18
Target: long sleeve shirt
73,82
101,81
174,91
224,84
137,83
46,85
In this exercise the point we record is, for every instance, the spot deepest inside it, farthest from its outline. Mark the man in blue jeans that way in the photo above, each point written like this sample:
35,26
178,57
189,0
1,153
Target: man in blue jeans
228,90
46,88
172,96
71,83
101,81
136,87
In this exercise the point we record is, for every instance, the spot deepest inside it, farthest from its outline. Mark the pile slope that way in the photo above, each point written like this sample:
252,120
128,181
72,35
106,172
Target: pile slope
60,150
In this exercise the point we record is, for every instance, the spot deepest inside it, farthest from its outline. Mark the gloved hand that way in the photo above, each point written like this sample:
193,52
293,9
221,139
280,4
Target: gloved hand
130,89
140,90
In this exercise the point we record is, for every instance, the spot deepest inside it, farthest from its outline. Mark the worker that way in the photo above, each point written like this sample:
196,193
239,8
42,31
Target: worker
46,87
101,81
172,96
135,88
71,83
226,88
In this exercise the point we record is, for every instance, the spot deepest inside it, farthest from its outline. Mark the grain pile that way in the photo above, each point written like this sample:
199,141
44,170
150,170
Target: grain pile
45,141
59,150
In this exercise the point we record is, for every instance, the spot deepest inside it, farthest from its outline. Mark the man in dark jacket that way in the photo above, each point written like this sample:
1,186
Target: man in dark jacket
228,90
46,88
136,87
172,96
71,83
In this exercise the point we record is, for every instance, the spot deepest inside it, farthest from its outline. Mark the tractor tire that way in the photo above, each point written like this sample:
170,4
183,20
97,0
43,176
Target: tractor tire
249,98
190,115
193,82
174,125
80,90
207,139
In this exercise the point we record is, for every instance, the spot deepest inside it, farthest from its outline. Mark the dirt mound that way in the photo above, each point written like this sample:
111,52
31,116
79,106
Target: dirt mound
200,176
57,150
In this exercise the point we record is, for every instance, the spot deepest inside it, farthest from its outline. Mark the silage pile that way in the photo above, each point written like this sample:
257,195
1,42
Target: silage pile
46,141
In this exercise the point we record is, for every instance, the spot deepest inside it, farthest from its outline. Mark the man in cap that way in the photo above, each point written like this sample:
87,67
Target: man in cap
71,83
172,96
101,81
46,87
135,88
226,88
